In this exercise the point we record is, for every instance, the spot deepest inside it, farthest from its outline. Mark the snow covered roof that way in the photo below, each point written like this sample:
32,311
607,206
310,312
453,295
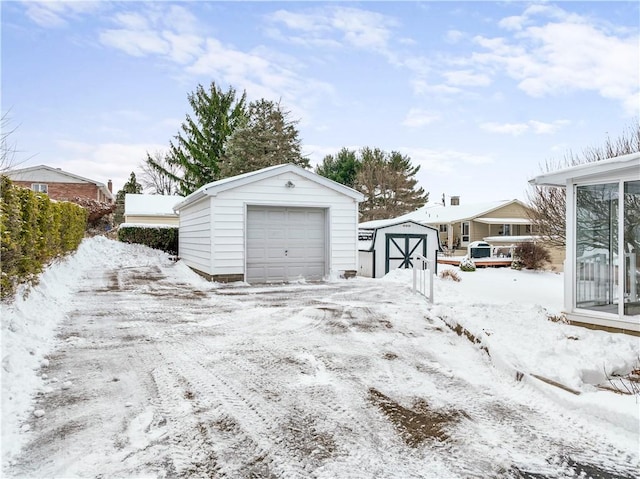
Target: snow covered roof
618,164
150,205
437,213
212,189
376,224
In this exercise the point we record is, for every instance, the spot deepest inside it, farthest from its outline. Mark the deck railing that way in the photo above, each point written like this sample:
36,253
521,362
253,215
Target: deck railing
423,270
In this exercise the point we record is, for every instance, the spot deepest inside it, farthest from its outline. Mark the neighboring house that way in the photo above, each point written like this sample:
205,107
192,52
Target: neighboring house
460,225
61,185
277,224
385,245
602,267
151,209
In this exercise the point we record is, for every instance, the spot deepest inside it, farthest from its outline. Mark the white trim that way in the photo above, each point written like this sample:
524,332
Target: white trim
590,171
216,187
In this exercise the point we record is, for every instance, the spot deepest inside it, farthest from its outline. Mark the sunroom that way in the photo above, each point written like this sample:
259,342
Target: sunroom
602,265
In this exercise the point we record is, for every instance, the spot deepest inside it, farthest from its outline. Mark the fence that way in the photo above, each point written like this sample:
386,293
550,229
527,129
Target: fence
423,269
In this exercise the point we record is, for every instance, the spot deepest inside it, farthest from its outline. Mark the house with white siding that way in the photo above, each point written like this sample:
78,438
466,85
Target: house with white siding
277,224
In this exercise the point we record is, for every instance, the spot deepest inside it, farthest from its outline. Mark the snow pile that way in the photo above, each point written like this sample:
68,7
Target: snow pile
514,315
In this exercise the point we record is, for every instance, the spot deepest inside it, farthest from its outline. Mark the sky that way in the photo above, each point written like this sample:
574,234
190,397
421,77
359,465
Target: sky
479,94
269,367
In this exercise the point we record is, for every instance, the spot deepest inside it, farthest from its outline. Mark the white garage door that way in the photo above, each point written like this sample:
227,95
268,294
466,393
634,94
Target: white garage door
284,244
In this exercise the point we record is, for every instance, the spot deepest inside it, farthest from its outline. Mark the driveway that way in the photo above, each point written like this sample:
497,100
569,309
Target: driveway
157,376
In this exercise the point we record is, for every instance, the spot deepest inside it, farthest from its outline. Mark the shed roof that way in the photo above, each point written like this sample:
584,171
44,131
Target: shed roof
212,189
589,170
378,224
150,205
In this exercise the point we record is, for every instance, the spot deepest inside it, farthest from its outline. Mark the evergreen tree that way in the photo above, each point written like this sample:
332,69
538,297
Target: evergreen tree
342,168
131,186
387,180
266,138
200,146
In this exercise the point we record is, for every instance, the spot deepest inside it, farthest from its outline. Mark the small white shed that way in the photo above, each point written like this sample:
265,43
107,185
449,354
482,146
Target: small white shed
277,224
385,245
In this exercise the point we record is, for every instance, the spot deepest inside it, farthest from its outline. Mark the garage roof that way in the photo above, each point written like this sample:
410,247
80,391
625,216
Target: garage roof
212,189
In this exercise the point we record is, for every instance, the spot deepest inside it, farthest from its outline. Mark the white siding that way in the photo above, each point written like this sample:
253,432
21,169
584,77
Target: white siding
365,264
380,245
229,219
194,245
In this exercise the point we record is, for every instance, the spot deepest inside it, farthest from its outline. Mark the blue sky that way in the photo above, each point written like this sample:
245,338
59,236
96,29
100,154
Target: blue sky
479,94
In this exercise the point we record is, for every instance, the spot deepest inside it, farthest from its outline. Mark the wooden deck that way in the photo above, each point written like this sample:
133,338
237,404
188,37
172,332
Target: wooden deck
479,262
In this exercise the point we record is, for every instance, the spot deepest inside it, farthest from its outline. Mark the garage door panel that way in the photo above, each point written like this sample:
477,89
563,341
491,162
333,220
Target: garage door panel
285,243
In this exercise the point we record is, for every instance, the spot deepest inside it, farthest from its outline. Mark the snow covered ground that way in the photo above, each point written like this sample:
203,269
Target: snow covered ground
122,363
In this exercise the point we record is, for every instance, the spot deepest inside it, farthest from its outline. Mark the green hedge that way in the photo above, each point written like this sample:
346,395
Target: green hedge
34,230
159,237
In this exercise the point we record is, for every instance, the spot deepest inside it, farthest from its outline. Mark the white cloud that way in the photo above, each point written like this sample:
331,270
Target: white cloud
443,160
467,78
336,27
418,117
567,53
454,36
135,43
516,129
55,14
505,128
104,161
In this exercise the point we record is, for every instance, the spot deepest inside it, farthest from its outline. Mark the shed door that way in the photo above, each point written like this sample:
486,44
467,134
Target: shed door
284,244
400,249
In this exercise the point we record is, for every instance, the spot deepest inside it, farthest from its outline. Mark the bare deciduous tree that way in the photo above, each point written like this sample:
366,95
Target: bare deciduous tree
7,148
548,204
154,179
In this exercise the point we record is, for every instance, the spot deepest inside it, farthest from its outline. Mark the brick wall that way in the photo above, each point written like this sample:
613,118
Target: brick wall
67,191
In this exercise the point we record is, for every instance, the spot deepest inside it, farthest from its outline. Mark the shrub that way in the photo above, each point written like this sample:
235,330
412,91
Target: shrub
467,264
33,231
450,274
531,255
164,238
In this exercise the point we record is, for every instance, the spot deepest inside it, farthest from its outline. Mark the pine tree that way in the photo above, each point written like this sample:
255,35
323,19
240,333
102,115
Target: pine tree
200,146
342,168
387,180
131,186
266,138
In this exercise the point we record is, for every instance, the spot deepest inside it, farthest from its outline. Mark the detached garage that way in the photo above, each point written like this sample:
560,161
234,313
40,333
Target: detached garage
277,224
385,245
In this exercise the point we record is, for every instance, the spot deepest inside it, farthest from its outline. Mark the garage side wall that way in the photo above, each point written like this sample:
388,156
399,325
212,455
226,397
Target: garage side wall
229,220
194,245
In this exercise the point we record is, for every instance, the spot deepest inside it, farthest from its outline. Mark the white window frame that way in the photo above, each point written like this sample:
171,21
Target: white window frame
40,187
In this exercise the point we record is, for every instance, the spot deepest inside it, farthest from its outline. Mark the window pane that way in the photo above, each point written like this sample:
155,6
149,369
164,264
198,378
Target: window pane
632,248
597,247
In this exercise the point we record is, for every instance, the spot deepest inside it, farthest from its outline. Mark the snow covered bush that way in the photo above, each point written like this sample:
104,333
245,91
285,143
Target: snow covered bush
467,264
450,275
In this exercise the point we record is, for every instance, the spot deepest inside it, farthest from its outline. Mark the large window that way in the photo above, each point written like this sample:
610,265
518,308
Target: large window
631,248
597,247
